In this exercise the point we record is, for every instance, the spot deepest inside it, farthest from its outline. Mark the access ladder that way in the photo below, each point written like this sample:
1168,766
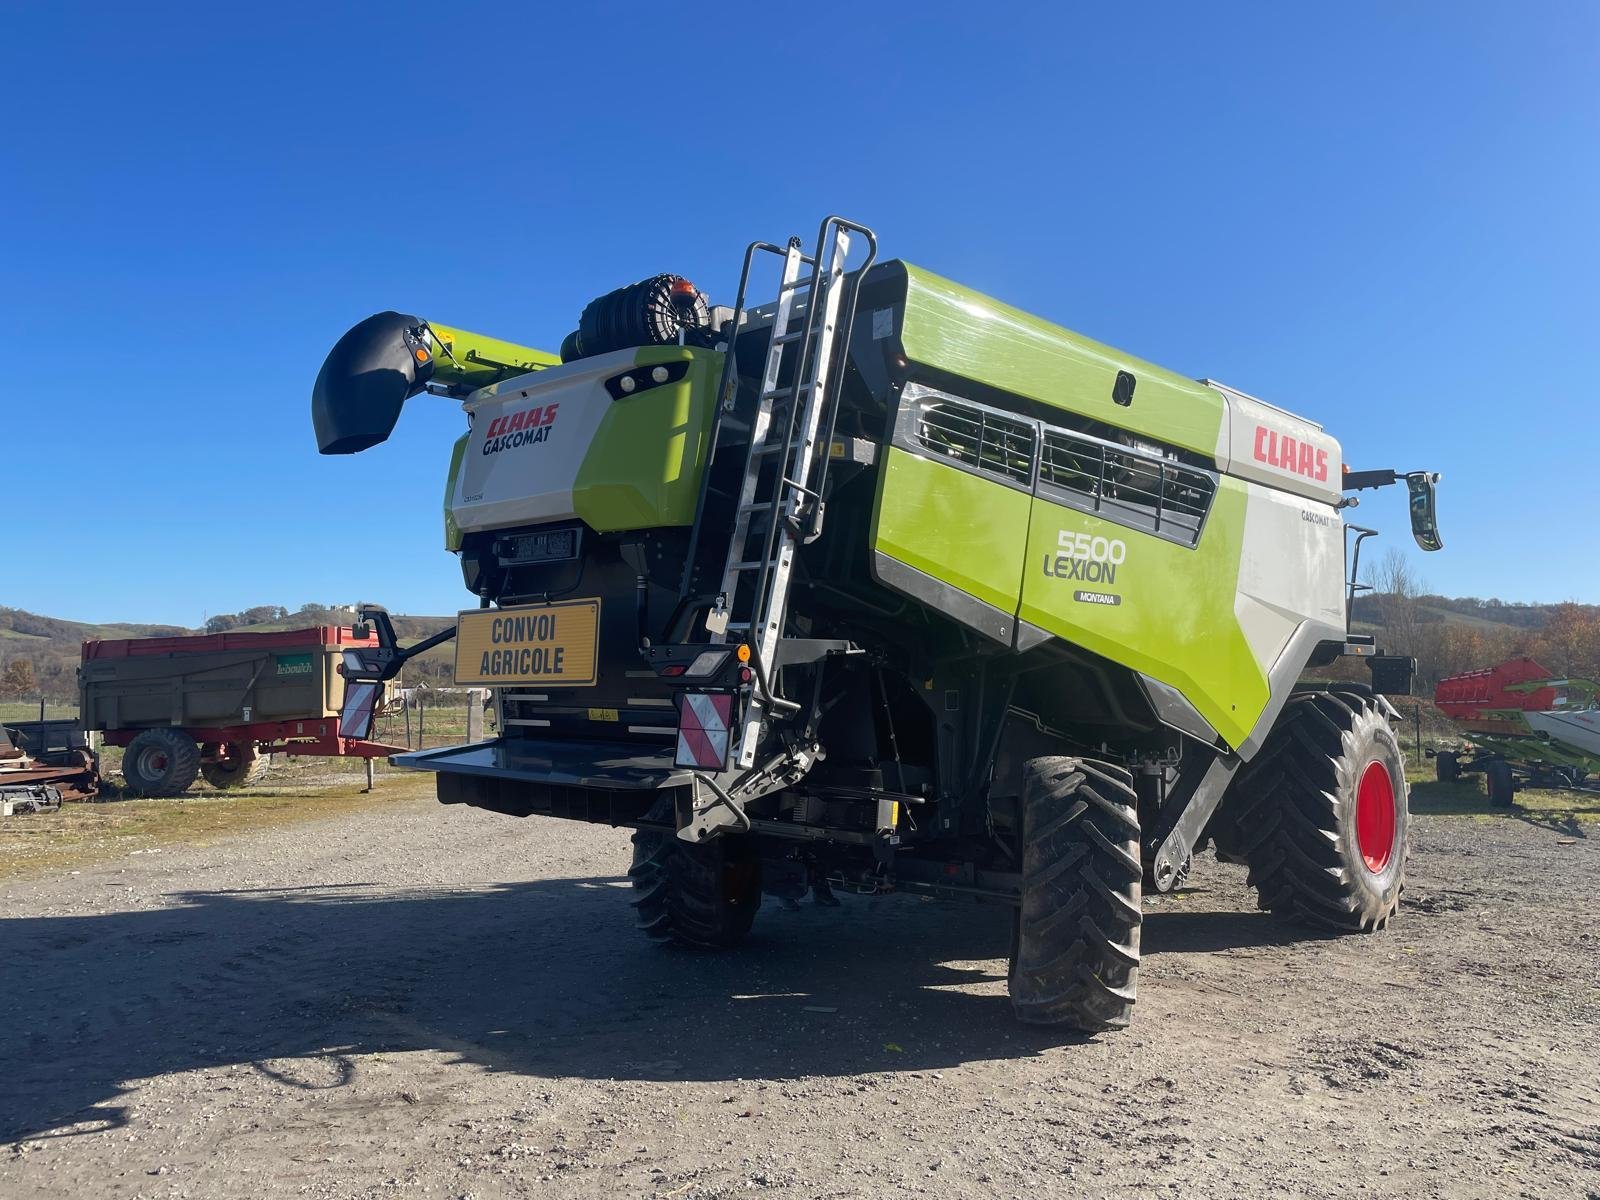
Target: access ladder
778,507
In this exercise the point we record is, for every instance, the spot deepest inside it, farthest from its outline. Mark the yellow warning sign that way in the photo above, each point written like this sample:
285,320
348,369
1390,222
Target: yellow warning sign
553,645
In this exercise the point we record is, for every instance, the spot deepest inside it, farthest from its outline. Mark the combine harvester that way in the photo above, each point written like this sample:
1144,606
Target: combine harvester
885,585
1524,729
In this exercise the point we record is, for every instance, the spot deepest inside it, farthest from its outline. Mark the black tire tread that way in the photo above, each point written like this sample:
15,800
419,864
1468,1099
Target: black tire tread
225,778
682,893
1076,951
1283,811
183,768
1498,783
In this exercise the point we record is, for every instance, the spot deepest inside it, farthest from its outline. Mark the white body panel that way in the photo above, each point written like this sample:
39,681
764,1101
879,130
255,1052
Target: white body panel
1291,571
1263,443
528,440
1578,728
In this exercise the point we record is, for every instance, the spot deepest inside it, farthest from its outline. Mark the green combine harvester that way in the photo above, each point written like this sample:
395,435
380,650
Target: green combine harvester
882,585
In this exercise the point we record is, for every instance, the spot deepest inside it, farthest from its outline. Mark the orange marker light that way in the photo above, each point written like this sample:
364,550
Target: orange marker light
682,287
422,355
744,653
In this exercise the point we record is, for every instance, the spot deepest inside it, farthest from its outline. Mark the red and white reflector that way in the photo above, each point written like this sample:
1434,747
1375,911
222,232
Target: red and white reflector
704,721
360,706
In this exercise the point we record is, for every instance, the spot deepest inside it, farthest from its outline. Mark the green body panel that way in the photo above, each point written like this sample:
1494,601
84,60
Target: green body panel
956,527
1174,619
467,361
452,531
642,468
964,332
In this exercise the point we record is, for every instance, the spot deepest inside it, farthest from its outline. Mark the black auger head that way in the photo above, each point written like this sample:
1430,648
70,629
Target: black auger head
366,379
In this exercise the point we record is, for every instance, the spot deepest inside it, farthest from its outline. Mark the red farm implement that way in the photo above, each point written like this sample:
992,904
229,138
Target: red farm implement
1524,728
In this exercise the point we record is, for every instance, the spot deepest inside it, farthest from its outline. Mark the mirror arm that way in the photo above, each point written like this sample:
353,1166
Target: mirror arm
1355,481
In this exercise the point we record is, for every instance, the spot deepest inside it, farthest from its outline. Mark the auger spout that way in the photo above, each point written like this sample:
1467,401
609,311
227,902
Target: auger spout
383,361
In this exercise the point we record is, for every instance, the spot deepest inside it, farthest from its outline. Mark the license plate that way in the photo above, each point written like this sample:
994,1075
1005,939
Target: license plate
553,645
546,545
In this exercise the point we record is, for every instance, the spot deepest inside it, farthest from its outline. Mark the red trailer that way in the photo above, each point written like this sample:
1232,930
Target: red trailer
212,704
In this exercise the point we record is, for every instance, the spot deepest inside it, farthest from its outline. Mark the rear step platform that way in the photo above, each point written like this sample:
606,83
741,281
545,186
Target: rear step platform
609,783
562,763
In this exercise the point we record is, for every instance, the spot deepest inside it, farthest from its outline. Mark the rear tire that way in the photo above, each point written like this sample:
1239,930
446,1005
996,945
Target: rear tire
159,763
1446,768
702,896
240,766
1075,957
1502,788
1322,814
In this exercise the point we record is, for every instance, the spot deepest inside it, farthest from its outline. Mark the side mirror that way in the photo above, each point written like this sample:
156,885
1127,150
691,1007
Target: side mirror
1424,510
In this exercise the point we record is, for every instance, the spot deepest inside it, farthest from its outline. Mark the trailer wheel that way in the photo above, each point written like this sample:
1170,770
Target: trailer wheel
1446,767
1502,788
703,896
1075,953
160,762
231,764
1322,809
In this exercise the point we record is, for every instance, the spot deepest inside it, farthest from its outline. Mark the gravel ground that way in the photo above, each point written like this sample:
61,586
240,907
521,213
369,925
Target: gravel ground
410,1001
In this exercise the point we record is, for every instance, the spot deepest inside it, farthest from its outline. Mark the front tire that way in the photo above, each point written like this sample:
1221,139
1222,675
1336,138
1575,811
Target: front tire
160,763
1075,960
701,896
1322,814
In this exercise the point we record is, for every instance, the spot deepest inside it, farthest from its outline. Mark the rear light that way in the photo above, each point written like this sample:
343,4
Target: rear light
708,663
674,670
642,379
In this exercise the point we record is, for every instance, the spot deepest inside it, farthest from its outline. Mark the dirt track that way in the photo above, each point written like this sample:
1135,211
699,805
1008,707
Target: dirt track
412,1001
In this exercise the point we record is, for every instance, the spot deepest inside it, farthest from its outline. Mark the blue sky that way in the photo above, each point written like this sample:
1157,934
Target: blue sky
1381,216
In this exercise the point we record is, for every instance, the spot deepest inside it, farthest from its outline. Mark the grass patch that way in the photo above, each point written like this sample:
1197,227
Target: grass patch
79,834
28,710
1574,814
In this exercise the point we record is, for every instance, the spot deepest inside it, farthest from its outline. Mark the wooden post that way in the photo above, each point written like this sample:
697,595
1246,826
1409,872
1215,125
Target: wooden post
474,717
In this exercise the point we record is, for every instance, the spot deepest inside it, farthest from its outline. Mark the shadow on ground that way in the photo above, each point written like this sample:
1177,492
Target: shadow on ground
542,978
1561,812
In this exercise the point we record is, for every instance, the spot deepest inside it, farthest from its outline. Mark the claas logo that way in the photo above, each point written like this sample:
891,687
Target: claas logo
1280,450
521,428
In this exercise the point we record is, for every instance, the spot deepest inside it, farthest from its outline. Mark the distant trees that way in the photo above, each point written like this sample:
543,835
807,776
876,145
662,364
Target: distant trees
1451,635
261,614
1572,640
17,681
1398,589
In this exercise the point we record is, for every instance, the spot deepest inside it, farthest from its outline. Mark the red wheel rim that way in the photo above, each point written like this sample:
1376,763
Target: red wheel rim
1375,816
